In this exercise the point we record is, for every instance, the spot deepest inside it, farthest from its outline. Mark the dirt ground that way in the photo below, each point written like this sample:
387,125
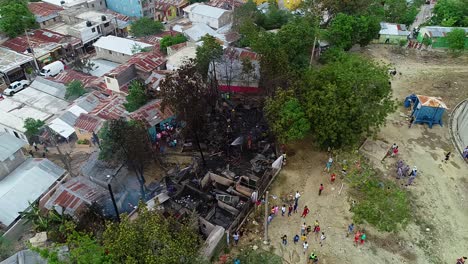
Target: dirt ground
438,232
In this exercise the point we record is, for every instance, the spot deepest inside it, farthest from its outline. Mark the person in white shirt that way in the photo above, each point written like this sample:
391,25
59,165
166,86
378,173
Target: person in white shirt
306,246
297,196
322,239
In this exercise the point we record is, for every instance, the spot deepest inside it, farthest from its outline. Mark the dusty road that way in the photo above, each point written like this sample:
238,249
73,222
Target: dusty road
439,230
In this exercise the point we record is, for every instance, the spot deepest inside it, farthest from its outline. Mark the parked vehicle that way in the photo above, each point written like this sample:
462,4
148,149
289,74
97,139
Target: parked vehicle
16,87
52,69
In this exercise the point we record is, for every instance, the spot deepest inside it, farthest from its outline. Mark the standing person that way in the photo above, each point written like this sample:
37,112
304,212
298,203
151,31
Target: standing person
303,228
236,238
305,211
414,172
270,217
308,230
272,211
296,197
320,189
295,208
447,156
329,164
296,239
410,180
276,209
313,258
283,210
322,239
465,154
305,245
31,153
332,177
35,146
357,237
395,152
363,238
461,260
316,231
350,229
290,208
284,240
43,155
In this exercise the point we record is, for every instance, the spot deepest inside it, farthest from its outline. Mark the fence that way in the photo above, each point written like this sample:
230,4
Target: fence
459,125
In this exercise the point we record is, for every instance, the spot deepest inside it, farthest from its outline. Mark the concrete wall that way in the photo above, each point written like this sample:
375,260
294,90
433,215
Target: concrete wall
112,55
52,21
86,34
459,125
131,8
10,164
212,22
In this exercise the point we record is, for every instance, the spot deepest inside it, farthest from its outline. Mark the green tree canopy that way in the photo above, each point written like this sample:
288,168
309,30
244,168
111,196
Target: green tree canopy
345,98
274,18
145,27
286,116
136,97
207,54
168,41
75,89
15,17
152,239
258,256
32,126
456,40
450,13
346,30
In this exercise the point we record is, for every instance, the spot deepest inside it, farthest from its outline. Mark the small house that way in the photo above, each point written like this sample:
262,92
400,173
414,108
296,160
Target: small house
212,16
117,49
438,35
392,33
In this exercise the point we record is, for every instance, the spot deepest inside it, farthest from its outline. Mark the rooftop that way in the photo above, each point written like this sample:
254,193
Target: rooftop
9,145
49,87
180,57
111,108
25,257
436,31
13,114
225,4
67,76
101,67
95,16
151,113
10,60
431,101
205,10
39,100
145,62
44,11
198,30
121,45
393,29
89,123
24,185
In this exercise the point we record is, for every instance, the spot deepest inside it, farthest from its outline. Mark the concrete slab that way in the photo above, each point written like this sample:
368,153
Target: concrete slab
374,150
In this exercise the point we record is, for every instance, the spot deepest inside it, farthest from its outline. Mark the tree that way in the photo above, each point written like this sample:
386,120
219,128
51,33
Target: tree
187,93
32,126
286,116
168,41
6,248
127,142
145,27
83,65
15,17
151,238
207,54
258,256
75,89
274,18
245,12
136,97
85,249
450,13
456,40
346,30
346,98
137,48
367,28
297,38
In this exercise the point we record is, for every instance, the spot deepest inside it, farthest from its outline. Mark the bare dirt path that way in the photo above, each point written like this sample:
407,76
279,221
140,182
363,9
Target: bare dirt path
439,230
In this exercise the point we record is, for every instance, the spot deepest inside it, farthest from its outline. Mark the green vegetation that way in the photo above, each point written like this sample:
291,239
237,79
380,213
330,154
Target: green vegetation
168,41
74,90
6,248
456,40
286,117
450,13
32,126
15,17
136,97
379,202
346,30
258,256
146,27
207,54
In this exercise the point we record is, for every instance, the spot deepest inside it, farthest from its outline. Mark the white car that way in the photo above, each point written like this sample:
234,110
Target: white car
16,87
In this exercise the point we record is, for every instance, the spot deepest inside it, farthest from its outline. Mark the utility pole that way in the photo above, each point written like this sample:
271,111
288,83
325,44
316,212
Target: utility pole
109,187
265,239
313,51
64,157
32,49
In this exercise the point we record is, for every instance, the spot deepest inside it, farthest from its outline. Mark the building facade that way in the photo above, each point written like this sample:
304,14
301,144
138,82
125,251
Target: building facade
132,8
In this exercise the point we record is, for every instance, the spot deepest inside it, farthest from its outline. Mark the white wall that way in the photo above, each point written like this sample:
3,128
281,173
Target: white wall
197,18
11,131
112,84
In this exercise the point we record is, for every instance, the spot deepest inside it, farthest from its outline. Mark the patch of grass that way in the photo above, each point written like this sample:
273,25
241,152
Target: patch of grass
258,256
380,202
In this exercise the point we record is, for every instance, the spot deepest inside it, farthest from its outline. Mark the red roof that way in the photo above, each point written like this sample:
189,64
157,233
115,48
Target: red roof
71,75
111,108
151,113
39,37
225,4
88,122
179,46
145,62
43,9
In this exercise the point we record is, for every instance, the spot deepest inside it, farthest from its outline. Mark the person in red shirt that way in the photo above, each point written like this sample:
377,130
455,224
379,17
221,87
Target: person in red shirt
332,177
320,189
357,237
305,212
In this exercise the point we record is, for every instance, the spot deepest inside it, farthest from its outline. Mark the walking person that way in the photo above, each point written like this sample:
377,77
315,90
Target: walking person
447,157
363,238
329,164
320,189
316,231
296,197
303,229
236,238
283,210
270,217
35,146
296,239
305,245
332,177
295,208
305,211
284,239
313,258
308,230
322,239
357,237
395,152
290,208
350,229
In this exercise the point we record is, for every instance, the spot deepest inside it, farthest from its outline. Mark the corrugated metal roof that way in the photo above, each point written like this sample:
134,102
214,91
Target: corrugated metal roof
9,145
393,29
88,122
431,101
151,113
50,87
25,257
26,184
438,32
10,60
205,10
117,44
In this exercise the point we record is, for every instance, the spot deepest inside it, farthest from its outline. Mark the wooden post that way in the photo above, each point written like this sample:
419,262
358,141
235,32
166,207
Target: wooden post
313,51
265,241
